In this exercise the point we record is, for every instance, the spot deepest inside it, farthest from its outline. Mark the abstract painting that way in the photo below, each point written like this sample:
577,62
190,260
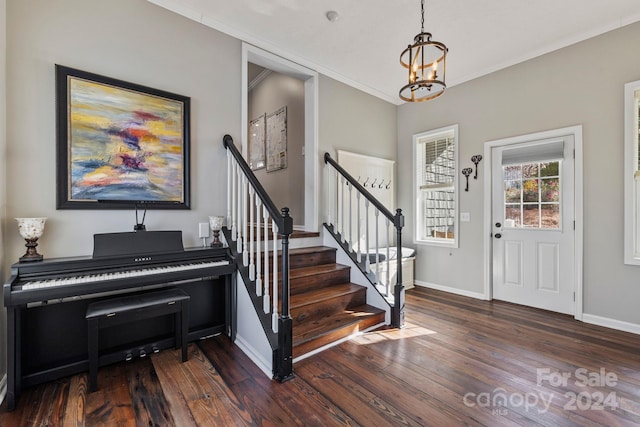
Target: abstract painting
120,142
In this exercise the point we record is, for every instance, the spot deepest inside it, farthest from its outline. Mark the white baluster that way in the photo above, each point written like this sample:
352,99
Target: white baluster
234,199
388,261
252,267
229,187
377,249
335,200
239,214
326,177
266,301
350,216
342,236
258,254
358,227
245,220
367,266
274,296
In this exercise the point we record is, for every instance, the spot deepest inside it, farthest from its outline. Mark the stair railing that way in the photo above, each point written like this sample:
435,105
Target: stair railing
250,209
344,196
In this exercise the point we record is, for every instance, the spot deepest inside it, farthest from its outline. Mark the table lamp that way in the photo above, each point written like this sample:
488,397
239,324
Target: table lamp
216,223
31,230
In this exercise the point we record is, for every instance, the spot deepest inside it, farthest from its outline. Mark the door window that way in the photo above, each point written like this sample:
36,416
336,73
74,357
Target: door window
532,195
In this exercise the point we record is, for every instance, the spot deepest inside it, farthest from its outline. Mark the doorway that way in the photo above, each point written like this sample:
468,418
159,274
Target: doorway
310,162
533,204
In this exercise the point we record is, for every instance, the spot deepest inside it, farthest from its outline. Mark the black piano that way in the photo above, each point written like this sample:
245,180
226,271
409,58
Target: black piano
46,302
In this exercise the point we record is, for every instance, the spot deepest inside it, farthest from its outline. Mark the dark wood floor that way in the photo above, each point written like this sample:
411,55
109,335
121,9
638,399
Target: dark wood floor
459,361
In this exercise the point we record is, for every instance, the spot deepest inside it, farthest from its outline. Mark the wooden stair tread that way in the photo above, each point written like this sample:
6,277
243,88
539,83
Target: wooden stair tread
318,295
296,273
314,329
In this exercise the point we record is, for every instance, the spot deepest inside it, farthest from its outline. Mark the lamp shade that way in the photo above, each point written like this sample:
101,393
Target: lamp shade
31,228
216,222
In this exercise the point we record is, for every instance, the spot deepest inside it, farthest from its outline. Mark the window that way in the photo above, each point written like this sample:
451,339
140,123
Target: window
436,187
532,195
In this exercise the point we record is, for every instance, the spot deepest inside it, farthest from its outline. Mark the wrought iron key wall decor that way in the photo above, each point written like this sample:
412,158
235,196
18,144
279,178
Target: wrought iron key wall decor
476,159
466,172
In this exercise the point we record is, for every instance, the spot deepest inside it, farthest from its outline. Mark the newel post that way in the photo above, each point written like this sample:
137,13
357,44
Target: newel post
284,354
397,314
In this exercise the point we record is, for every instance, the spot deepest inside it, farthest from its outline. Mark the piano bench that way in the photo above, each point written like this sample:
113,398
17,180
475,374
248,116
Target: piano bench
114,311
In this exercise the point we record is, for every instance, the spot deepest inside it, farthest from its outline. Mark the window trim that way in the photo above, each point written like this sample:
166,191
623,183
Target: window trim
417,205
631,149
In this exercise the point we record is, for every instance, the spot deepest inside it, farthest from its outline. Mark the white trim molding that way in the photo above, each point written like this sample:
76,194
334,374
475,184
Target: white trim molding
310,78
607,322
457,291
254,355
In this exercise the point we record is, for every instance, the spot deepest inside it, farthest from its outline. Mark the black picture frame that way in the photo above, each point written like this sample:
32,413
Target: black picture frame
120,144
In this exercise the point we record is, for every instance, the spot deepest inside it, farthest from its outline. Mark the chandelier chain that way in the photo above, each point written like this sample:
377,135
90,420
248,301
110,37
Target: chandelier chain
422,9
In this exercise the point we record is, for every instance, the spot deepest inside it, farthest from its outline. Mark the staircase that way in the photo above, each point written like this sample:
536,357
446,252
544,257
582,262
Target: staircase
325,305
304,301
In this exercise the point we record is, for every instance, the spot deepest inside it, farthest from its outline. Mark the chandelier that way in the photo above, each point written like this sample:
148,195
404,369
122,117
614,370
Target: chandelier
426,61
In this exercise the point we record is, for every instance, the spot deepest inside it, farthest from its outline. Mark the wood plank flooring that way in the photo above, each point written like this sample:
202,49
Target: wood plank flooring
459,361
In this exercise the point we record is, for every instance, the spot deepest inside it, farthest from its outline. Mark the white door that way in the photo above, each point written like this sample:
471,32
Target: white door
533,223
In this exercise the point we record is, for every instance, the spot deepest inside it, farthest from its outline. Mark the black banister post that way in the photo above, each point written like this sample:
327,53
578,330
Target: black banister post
284,357
398,290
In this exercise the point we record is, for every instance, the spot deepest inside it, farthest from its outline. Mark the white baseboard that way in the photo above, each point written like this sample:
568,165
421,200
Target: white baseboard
254,356
456,291
3,388
620,325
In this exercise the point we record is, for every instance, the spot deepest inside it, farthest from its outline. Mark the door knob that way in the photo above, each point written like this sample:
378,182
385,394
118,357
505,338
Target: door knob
498,235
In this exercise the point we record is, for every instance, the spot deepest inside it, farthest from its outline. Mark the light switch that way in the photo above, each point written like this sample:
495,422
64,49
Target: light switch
465,216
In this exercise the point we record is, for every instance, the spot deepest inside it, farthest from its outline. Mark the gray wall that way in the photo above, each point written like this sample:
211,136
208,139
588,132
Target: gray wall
131,40
285,186
580,84
354,121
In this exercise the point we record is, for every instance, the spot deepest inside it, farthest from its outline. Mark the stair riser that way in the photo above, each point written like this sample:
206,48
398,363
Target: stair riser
307,259
328,307
306,283
336,334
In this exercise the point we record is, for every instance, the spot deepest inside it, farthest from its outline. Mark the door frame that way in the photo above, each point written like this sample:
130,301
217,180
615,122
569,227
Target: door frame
281,65
576,131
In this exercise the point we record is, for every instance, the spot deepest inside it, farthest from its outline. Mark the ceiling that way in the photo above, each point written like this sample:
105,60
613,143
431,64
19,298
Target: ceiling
362,47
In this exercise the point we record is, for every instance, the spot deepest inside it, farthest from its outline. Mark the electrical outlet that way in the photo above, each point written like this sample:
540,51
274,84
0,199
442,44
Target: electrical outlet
465,216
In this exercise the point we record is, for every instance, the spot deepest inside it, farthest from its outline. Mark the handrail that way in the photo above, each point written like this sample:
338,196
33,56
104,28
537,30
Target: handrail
284,227
249,264
397,312
386,212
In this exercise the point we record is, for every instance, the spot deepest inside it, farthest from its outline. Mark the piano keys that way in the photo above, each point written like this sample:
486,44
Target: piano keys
44,298
127,274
